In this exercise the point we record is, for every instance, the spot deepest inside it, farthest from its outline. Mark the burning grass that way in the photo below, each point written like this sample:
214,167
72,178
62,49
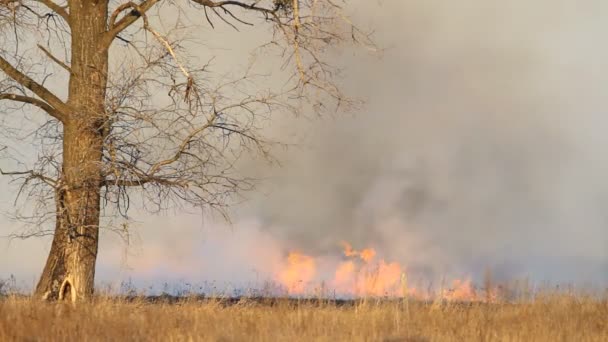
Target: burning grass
362,273
547,318
388,308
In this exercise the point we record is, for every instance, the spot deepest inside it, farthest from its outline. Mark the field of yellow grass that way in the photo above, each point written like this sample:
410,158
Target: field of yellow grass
550,318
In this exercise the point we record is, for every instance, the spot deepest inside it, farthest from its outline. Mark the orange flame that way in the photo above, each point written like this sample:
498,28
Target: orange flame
362,274
461,290
366,255
298,273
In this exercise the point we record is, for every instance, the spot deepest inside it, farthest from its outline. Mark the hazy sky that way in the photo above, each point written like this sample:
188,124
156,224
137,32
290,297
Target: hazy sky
482,145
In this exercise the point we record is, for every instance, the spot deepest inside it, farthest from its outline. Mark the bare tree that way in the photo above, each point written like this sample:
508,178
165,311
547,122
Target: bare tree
129,113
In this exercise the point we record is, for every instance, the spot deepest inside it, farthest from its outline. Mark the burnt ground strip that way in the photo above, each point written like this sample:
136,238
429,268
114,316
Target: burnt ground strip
227,301
289,301
255,300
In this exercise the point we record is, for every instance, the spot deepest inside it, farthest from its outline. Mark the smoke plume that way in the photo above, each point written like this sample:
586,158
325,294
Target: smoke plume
480,147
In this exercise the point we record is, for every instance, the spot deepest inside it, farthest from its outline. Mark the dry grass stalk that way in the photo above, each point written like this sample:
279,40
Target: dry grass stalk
549,318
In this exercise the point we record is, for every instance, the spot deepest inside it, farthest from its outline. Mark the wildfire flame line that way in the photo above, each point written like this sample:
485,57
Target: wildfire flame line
362,274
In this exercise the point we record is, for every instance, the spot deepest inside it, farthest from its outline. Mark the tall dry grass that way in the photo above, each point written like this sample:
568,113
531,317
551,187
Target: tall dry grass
550,318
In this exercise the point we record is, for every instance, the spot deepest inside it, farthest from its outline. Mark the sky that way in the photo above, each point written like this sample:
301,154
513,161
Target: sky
480,146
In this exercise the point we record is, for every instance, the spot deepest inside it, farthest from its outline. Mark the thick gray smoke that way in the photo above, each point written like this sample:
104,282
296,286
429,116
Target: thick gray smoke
482,144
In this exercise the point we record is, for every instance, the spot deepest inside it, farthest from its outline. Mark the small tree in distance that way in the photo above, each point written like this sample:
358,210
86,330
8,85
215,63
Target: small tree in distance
125,113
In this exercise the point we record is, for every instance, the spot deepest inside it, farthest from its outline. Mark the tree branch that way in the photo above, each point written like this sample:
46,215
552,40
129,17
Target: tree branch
33,101
57,9
118,26
141,182
61,109
119,10
54,59
222,4
183,146
30,175
139,10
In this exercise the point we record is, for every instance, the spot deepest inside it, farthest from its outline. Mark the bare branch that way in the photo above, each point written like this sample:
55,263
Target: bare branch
61,109
118,26
222,4
55,59
57,9
119,10
139,10
33,101
183,145
30,175
168,47
143,181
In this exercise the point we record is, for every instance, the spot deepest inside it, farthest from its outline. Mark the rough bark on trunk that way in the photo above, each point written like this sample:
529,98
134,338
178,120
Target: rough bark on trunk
70,269
69,272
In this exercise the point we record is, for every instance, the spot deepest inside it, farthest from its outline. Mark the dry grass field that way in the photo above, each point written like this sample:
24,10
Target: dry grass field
549,318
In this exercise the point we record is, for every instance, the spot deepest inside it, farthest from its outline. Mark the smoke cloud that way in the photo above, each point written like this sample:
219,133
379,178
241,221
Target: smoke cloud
481,146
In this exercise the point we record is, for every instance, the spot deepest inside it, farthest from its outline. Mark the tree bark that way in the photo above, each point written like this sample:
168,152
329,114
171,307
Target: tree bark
69,272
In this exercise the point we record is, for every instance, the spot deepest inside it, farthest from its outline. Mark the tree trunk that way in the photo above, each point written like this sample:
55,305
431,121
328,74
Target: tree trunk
70,269
69,272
